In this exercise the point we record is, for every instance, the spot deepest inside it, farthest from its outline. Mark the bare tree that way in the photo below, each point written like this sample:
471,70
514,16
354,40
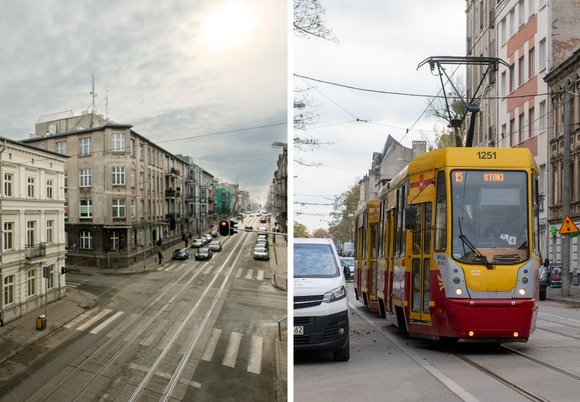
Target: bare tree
453,110
309,20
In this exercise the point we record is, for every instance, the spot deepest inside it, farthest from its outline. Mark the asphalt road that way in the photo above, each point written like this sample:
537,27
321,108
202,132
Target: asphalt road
386,365
192,330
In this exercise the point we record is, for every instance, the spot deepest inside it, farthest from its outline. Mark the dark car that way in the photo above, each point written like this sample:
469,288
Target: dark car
347,262
249,228
214,234
180,254
203,253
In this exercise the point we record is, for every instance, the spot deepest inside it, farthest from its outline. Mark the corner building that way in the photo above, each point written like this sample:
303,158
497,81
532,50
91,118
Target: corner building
124,194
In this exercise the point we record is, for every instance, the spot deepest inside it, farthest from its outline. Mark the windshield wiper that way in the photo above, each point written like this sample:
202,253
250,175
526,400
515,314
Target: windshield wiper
475,251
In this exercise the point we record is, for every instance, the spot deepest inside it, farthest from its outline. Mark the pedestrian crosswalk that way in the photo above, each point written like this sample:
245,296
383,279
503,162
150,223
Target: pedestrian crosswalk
235,342
103,316
74,284
96,320
241,273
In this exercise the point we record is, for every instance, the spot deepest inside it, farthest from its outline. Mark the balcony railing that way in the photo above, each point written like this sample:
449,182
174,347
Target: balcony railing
35,251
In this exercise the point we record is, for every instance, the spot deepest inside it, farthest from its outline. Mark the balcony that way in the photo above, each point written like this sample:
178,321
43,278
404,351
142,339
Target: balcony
173,172
37,251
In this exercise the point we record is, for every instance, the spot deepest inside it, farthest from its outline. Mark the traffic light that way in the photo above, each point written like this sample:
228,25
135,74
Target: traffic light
233,227
63,270
224,228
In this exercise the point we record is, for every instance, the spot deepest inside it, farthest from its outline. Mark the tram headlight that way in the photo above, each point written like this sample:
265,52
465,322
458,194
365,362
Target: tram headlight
522,291
458,291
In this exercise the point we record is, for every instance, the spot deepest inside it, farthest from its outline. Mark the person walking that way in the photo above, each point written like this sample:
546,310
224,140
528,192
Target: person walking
160,257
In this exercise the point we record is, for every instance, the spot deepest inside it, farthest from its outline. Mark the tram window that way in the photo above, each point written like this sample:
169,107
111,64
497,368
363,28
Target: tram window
418,230
427,236
441,214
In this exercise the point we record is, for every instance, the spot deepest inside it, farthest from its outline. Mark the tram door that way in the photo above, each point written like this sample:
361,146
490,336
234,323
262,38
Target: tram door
373,252
420,264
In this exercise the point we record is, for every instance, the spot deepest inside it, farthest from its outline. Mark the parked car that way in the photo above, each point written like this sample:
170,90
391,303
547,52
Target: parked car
203,253
249,228
214,234
197,243
261,253
208,237
347,262
215,245
318,277
180,254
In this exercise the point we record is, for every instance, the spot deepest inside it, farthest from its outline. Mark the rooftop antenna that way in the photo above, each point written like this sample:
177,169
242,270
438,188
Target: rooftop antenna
93,107
471,105
106,104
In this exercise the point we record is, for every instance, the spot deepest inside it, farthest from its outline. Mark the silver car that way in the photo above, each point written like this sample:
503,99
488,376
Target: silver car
261,253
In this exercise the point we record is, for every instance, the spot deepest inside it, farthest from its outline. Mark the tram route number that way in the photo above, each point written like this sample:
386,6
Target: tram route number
299,330
486,155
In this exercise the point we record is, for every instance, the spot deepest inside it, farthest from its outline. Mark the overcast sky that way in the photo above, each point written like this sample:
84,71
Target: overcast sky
380,44
173,69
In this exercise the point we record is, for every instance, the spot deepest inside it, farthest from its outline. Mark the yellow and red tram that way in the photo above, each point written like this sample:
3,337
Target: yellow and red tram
457,250
367,243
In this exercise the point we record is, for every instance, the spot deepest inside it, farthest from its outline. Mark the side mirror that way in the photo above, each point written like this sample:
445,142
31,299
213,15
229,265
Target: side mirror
410,217
546,263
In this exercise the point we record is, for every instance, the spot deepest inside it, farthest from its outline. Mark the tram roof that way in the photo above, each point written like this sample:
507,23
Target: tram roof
465,158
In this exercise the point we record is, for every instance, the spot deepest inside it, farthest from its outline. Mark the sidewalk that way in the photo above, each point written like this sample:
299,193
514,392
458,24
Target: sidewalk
21,333
279,279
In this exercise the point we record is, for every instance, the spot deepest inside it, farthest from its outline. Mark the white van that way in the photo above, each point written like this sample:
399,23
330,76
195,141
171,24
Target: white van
320,302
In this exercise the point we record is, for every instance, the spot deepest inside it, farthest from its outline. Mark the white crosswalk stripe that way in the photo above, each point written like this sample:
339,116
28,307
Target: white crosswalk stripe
94,319
249,274
239,273
73,284
260,276
105,323
230,357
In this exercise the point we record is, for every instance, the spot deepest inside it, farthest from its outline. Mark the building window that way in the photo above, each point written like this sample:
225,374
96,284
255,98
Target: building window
86,238
542,56
8,184
521,71
49,188
132,177
85,146
512,132
504,84
61,147
49,231
141,151
118,142
31,181
531,119
86,208
118,175
512,23
8,290
521,128
532,7
30,233
115,241
133,208
132,147
65,181
531,62
31,282
543,116
521,13
141,179
85,178
118,208
50,277
512,77
8,236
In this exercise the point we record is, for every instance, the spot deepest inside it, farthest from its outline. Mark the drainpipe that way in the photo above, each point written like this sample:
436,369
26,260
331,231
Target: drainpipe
2,240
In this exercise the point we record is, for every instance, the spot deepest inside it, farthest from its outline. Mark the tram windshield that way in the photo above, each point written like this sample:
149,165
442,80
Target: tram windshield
490,217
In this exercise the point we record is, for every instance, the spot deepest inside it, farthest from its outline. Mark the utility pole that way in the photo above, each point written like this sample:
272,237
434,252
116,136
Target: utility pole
565,290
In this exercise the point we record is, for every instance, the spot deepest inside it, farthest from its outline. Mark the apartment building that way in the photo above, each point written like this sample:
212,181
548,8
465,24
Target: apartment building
531,36
32,215
125,194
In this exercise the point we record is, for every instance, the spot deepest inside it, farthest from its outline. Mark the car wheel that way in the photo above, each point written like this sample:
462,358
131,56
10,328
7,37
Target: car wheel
343,355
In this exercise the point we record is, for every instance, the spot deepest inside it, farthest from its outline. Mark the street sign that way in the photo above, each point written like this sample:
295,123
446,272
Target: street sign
568,227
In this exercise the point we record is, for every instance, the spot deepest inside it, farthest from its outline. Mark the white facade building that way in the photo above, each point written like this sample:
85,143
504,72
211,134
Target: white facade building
32,248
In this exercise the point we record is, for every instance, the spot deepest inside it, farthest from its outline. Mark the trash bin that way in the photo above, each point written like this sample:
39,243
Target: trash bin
41,322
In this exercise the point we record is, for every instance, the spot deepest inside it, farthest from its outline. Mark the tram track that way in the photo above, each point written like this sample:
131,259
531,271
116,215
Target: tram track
177,288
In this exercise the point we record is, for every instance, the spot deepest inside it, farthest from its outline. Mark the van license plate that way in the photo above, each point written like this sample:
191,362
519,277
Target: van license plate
299,330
